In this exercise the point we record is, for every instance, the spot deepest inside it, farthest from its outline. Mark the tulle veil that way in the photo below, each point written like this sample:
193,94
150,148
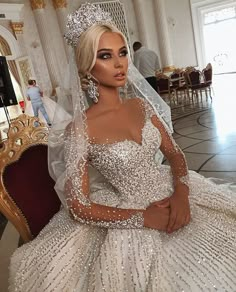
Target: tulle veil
68,140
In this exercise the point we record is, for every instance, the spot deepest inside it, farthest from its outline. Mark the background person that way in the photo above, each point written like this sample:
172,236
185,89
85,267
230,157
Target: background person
34,94
147,62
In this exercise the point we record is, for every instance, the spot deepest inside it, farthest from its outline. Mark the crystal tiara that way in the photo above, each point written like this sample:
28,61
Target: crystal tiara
86,16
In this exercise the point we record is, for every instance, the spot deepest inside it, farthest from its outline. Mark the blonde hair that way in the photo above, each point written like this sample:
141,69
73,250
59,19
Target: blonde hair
86,50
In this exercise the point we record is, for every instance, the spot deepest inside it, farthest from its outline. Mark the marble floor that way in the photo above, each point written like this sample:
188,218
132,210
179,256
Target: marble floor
205,130
208,151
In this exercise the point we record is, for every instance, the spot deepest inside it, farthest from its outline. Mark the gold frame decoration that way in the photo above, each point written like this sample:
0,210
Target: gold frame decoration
59,4
25,69
37,4
22,134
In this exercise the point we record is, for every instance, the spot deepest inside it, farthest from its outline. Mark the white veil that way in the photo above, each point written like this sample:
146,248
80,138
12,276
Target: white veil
68,140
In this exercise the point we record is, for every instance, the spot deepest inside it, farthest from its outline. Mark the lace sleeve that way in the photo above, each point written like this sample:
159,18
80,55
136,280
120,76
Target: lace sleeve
77,191
148,109
174,155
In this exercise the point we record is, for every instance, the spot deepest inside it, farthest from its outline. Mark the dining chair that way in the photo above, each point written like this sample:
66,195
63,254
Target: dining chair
207,73
194,82
164,87
178,84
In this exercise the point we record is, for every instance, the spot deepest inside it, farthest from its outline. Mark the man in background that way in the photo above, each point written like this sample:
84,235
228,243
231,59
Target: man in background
147,62
35,95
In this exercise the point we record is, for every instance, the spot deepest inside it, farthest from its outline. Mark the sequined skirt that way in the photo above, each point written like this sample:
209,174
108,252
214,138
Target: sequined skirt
68,256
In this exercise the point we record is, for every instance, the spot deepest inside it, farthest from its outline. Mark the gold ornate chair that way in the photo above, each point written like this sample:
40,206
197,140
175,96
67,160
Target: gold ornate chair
27,195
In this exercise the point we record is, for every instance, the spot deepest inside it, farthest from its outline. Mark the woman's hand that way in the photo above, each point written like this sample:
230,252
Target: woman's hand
156,217
180,212
179,209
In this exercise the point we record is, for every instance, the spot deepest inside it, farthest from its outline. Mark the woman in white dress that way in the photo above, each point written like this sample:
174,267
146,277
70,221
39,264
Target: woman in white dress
128,223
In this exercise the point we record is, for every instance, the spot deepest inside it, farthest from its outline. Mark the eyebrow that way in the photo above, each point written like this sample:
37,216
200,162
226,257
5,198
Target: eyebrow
110,50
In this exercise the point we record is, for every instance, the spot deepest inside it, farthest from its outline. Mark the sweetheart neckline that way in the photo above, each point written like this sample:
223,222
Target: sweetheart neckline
128,140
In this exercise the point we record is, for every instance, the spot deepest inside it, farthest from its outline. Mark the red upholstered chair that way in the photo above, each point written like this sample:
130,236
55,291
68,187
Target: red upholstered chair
163,86
27,195
178,84
207,74
194,82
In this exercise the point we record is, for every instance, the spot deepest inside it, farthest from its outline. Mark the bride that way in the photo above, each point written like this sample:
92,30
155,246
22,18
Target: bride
127,223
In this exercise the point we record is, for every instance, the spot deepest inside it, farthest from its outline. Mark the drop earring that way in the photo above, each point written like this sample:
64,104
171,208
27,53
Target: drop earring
92,89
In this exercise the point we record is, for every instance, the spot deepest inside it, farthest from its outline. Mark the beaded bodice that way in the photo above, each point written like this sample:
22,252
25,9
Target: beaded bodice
131,167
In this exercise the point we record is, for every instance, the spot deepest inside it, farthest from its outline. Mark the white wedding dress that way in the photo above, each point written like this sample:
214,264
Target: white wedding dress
70,256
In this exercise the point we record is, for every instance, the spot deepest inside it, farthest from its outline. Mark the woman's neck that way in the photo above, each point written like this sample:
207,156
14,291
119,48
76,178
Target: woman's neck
109,98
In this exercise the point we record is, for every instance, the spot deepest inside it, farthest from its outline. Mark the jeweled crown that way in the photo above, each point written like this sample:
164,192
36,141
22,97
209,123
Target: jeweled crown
86,16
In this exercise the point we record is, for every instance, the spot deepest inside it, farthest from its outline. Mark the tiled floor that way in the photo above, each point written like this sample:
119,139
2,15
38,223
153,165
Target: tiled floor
205,130
206,151
208,136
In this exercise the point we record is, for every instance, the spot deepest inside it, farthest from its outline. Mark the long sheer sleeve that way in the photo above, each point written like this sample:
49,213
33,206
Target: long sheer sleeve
170,150
174,155
77,191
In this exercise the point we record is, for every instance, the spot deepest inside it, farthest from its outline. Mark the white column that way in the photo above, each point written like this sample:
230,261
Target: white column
61,10
139,13
46,39
163,35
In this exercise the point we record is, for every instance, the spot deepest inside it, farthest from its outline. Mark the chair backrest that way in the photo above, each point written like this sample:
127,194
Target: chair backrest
193,77
174,76
27,195
189,68
207,74
177,77
163,83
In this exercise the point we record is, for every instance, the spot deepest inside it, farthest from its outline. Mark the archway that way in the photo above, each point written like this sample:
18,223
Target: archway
12,42
9,48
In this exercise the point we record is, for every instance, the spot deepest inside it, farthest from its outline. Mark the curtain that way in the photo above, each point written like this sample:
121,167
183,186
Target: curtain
6,51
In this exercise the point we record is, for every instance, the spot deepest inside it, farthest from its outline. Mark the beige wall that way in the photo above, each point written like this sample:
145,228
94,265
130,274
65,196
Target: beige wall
181,32
180,29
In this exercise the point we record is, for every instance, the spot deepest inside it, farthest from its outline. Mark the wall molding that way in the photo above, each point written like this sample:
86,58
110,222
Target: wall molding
11,11
12,42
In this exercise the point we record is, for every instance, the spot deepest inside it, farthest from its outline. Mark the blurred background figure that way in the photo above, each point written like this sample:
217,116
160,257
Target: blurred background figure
147,62
34,94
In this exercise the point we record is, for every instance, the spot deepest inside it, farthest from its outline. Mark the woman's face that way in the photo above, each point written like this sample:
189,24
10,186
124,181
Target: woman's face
111,64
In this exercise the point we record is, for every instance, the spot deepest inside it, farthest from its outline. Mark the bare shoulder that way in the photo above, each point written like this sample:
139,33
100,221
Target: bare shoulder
135,102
